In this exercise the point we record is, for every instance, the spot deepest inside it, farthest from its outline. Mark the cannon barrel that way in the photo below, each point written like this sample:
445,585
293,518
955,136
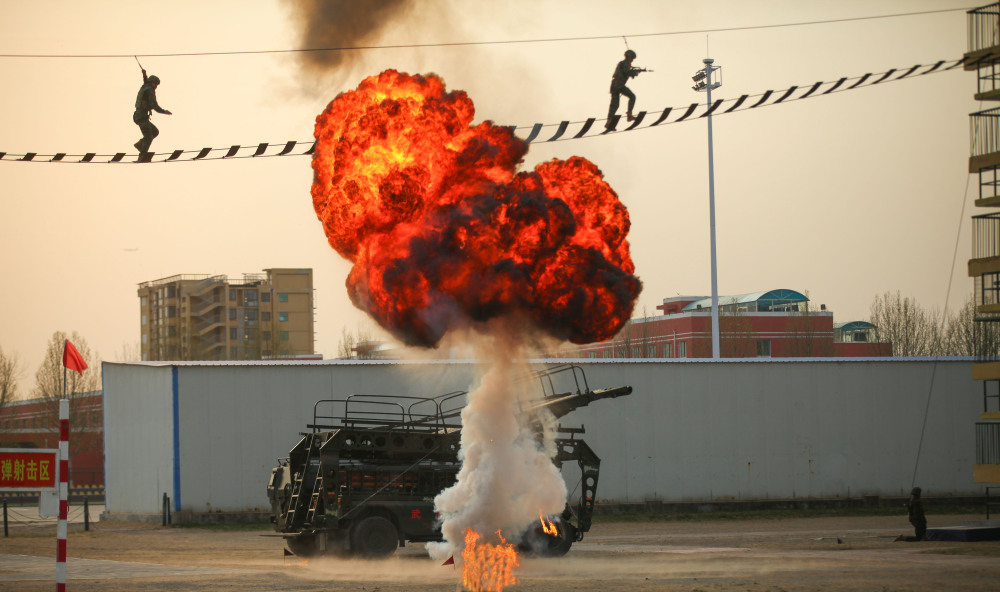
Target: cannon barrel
563,404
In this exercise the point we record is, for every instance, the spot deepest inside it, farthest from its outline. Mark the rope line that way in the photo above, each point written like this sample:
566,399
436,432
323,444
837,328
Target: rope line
494,42
565,130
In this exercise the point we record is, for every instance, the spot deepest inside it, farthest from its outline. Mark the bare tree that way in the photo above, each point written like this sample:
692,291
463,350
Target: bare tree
960,331
360,344
633,339
804,336
130,352
737,338
910,329
10,372
49,376
49,387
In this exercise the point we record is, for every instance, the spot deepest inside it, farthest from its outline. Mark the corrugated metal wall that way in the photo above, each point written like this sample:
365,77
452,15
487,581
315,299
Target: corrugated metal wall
689,431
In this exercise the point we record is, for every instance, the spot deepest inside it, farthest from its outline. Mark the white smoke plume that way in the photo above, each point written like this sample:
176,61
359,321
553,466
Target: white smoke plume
507,477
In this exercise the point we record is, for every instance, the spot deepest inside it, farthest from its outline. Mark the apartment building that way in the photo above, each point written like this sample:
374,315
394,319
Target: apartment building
211,317
983,58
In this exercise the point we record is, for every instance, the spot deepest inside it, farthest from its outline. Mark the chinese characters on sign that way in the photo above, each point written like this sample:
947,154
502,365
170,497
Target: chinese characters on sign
25,469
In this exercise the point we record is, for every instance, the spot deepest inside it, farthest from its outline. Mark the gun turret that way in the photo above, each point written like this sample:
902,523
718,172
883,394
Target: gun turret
563,404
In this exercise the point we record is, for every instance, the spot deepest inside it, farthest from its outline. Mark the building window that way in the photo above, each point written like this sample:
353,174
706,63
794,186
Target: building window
283,335
763,348
682,349
282,296
636,351
265,335
282,316
232,295
143,320
265,316
143,301
651,351
232,314
668,350
232,333
265,296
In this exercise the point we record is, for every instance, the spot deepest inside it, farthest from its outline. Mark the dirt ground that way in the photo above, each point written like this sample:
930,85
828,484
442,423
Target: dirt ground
747,555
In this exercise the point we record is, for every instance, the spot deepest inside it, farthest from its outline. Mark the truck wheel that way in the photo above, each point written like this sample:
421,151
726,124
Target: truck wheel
303,546
536,542
374,536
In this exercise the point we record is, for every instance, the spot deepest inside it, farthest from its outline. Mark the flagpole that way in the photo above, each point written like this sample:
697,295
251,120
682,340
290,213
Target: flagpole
64,368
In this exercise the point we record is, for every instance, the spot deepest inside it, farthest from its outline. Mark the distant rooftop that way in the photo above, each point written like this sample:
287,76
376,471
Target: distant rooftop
769,301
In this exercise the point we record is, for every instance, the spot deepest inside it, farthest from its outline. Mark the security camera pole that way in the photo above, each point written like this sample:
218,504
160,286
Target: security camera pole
703,82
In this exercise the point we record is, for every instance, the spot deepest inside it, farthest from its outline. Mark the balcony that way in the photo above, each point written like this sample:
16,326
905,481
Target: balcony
985,134
987,467
985,245
986,337
987,293
983,32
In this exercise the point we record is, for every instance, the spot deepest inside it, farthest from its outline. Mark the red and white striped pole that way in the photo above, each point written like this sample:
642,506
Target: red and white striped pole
63,494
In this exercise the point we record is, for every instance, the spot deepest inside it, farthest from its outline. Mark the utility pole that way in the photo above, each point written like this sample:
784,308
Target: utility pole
703,82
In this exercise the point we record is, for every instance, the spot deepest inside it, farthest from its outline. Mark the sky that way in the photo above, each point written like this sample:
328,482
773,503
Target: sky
843,197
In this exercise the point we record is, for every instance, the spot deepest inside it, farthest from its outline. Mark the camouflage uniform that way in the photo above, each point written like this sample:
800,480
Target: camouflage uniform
623,71
145,103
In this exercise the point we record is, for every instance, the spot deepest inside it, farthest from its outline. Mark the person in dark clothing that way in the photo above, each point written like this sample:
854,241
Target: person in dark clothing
915,510
145,104
623,71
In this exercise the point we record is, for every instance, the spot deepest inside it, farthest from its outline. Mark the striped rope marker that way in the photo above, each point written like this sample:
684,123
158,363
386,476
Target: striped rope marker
63,494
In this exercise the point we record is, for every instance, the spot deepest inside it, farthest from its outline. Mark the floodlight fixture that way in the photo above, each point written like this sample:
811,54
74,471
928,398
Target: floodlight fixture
699,75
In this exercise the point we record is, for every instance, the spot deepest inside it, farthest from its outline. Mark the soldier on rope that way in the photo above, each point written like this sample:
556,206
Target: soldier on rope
623,71
145,104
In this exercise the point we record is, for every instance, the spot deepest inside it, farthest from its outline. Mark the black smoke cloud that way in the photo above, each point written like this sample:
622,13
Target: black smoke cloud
325,24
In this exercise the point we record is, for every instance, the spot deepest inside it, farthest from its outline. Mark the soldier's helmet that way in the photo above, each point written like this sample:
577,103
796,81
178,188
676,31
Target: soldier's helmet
630,54
153,79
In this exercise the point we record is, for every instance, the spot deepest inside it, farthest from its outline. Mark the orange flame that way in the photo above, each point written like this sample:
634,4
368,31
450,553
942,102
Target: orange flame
548,527
487,567
444,231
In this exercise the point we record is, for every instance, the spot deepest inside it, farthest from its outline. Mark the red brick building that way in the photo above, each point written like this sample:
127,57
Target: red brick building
35,424
775,323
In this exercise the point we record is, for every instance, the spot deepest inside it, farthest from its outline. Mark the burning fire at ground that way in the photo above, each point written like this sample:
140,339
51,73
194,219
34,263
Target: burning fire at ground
445,233
488,567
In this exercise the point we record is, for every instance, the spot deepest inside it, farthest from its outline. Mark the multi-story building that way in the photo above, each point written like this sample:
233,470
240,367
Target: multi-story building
209,317
773,323
983,58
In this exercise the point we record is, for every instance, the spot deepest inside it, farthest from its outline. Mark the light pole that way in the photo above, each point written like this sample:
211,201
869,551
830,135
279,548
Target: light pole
703,82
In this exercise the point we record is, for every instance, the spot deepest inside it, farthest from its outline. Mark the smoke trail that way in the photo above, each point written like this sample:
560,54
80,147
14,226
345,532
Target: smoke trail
506,476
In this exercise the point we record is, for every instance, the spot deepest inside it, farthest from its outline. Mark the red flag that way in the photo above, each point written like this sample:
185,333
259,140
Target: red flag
72,358
449,561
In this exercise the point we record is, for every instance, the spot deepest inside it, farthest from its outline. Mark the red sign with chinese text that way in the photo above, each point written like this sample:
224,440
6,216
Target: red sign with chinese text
25,469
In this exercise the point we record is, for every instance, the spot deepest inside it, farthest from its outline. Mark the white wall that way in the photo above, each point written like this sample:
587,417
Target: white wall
690,430
139,447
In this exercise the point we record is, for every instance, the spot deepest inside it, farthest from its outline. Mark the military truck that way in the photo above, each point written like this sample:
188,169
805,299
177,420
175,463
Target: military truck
363,480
